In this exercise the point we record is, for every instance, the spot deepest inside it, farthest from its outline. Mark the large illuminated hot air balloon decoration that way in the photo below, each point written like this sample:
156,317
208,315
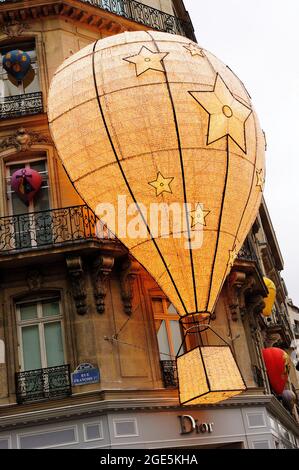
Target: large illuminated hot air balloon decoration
160,122
277,363
26,183
17,64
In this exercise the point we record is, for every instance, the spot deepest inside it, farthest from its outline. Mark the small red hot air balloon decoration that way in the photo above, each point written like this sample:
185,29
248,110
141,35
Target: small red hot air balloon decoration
26,183
277,363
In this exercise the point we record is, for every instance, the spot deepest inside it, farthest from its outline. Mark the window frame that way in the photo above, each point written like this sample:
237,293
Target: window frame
167,318
40,321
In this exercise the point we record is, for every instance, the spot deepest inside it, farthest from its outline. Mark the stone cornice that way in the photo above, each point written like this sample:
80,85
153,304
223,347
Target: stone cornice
96,403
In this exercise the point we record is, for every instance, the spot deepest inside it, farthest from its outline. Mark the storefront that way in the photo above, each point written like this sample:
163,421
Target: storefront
242,427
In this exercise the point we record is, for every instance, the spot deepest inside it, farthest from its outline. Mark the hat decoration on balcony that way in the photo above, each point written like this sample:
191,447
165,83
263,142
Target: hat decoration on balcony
270,299
17,64
277,363
154,118
26,183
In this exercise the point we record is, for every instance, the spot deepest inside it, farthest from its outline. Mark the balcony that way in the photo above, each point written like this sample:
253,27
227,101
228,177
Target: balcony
21,105
43,384
169,374
58,227
296,330
280,325
247,252
128,9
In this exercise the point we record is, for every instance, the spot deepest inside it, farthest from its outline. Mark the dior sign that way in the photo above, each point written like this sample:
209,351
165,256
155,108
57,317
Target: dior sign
189,425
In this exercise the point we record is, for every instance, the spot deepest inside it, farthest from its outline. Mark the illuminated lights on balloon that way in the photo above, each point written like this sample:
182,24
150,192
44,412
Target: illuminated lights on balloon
270,299
17,64
158,120
277,364
26,183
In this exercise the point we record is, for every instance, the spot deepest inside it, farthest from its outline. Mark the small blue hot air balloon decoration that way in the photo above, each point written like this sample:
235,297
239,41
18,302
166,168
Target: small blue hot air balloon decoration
17,63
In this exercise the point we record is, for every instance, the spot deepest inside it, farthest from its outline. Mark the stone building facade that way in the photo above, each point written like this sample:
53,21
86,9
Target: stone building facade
87,338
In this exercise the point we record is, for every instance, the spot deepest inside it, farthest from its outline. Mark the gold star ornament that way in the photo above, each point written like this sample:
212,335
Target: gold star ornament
147,60
232,257
161,184
199,216
227,114
194,50
260,179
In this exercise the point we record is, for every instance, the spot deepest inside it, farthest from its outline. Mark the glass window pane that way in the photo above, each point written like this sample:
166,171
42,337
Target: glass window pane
163,342
176,335
31,348
54,347
50,308
157,305
171,309
39,166
28,311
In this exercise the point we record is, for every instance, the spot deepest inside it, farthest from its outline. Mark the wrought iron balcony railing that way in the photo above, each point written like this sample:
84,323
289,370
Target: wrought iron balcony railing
43,384
51,227
247,252
169,373
140,13
144,14
21,105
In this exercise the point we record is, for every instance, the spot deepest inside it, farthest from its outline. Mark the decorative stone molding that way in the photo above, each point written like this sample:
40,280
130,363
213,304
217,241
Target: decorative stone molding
14,29
128,274
23,139
34,279
235,283
102,268
78,285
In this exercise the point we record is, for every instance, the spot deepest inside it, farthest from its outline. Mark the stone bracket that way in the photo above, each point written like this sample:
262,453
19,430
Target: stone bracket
78,284
235,283
128,274
102,268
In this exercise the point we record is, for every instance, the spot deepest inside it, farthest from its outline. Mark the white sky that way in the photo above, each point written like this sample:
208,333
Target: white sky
259,40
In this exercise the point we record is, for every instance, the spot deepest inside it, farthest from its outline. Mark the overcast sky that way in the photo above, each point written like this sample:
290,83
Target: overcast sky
259,40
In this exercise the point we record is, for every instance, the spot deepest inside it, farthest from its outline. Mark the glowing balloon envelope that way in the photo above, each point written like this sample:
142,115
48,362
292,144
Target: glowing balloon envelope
26,183
277,363
154,120
17,64
270,299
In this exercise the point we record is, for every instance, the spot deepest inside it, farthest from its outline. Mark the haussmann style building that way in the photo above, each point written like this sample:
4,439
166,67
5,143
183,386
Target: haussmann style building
87,339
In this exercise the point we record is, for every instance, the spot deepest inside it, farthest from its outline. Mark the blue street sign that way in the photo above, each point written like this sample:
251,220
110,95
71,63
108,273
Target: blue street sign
85,374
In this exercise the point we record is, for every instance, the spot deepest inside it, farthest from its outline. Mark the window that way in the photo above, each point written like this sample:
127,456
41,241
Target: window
40,334
168,328
31,227
11,87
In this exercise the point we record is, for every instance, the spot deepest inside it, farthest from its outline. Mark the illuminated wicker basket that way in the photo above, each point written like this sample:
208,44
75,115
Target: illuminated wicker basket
207,375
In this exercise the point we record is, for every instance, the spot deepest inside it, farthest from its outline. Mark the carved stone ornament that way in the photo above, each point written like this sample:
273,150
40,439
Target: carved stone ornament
22,140
128,274
34,279
102,270
14,29
78,284
235,283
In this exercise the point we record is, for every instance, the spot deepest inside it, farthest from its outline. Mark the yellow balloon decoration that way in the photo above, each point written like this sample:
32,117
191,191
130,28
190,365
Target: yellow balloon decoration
152,118
270,299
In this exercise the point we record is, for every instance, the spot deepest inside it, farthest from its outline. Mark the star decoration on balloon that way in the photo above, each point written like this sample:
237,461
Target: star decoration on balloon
227,115
199,216
194,50
260,179
232,257
161,184
147,60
